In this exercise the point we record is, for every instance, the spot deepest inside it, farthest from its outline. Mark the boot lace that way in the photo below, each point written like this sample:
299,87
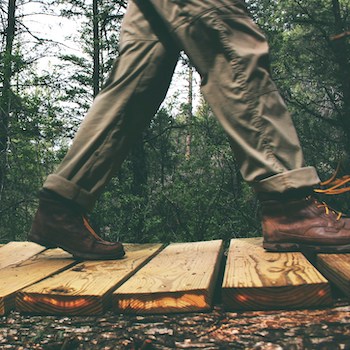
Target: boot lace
90,229
333,186
329,210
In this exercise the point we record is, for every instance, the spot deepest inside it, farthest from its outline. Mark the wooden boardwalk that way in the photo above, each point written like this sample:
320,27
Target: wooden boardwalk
181,277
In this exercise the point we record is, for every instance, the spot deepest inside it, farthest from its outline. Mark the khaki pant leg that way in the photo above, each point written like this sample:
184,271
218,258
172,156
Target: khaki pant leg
231,55
134,91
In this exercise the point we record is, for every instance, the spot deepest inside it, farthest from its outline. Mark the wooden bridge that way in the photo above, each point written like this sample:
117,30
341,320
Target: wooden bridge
181,277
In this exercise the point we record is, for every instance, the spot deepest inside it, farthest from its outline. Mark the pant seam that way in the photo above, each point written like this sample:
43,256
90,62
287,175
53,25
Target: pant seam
251,102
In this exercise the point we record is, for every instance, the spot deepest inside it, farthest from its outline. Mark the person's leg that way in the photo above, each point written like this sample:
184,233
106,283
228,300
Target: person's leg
135,89
231,55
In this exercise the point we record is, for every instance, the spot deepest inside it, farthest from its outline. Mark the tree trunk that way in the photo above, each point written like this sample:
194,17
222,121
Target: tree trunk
6,93
139,184
96,54
139,168
189,112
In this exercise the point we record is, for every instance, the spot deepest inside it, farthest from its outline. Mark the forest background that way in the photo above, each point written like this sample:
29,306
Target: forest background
180,181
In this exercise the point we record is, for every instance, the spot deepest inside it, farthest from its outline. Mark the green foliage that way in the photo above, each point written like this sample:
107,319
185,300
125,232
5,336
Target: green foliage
78,68
312,72
199,198
33,151
161,194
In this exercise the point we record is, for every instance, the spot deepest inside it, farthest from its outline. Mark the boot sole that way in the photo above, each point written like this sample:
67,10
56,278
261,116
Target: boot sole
300,247
77,256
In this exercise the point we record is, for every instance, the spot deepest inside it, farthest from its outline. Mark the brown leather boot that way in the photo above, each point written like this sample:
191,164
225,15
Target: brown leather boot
304,224
61,223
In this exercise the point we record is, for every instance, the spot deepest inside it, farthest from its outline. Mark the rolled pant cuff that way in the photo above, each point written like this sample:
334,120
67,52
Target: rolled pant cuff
289,180
69,190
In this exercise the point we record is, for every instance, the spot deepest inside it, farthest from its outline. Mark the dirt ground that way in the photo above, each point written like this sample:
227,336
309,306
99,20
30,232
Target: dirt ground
303,329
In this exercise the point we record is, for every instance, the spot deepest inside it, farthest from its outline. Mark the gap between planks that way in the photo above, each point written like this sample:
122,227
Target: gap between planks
301,285
86,288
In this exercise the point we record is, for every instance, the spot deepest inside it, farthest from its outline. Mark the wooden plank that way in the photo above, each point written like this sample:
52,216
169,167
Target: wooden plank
16,277
180,279
336,267
255,279
16,252
86,288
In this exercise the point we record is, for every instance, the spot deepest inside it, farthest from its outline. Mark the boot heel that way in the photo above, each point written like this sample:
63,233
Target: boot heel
281,247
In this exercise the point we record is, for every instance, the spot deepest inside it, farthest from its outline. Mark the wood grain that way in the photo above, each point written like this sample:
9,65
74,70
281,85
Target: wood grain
16,252
180,279
255,279
86,288
336,267
15,277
